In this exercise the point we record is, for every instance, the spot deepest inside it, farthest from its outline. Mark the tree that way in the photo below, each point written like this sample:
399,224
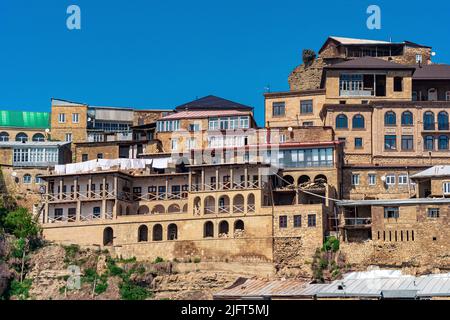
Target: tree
21,224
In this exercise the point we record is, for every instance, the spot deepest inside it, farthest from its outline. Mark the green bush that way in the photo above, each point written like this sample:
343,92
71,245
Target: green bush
21,224
20,289
331,244
113,269
158,260
101,287
130,291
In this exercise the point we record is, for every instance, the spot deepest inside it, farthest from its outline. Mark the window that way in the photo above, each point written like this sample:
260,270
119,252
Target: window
21,137
407,143
194,127
62,118
38,180
446,187
443,120
99,155
84,157
398,84
418,58
38,137
429,143
297,221
191,143
75,117
390,142
390,119
428,120
4,136
358,122
174,144
27,178
283,221
407,118
433,212
311,220
278,109
306,106
447,96
59,213
308,123
372,179
414,96
96,212
166,125
358,143
391,212
341,122
403,179
355,179
443,143
390,179
68,137
282,138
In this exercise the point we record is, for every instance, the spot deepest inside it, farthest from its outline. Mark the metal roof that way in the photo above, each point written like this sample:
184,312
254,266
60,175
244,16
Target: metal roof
436,171
344,40
24,119
432,72
369,63
376,284
381,202
195,114
213,103
43,144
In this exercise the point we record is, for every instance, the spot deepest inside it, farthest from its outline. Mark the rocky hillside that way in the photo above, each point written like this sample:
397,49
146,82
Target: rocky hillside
57,272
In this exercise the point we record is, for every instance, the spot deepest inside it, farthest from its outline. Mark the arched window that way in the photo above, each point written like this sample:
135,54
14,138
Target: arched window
143,210
428,120
4,136
407,118
390,118
358,122
208,230
341,122
21,137
143,233
321,178
27,178
443,120
157,232
443,143
429,143
108,236
239,225
287,180
223,228
172,232
38,137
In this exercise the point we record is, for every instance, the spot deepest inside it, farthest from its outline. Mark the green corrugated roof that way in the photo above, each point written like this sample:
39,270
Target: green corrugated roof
24,119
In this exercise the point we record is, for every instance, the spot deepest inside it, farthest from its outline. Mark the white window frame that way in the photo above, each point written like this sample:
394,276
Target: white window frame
356,179
372,178
282,138
27,175
68,135
62,118
419,58
446,187
401,178
390,179
75,117
174,144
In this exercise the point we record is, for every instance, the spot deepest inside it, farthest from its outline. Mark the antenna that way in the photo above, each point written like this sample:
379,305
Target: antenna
267,88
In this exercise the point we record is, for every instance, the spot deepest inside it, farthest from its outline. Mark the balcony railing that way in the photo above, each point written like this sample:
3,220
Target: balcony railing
73,196
83,218
354,222
238,208
251,184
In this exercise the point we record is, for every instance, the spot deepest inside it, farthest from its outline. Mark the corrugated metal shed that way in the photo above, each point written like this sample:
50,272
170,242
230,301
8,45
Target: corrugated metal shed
436,171
24,119
375,284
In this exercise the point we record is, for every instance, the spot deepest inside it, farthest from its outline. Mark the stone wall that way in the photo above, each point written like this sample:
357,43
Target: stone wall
307,77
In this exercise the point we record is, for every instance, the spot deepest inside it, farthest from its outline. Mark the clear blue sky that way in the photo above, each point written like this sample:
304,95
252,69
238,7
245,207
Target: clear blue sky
159,54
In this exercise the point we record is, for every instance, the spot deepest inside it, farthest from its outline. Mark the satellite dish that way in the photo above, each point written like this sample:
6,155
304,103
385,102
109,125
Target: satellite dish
433,53
47,130
290,129
14,174
383,178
